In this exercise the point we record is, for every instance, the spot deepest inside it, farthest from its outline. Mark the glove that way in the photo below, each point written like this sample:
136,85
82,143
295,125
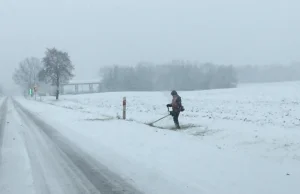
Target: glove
182,109
169,105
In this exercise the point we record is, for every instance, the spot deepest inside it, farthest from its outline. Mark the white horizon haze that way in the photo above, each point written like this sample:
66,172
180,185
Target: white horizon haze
99,33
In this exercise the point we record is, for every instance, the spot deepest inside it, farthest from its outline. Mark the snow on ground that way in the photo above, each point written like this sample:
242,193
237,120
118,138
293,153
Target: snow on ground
260,115
247,140
265,104
15,164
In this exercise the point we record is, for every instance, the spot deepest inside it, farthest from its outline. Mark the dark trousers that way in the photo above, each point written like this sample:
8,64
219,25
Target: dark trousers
175,118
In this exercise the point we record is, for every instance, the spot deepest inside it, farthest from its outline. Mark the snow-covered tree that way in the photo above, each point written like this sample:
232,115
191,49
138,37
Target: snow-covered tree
26,74
58,68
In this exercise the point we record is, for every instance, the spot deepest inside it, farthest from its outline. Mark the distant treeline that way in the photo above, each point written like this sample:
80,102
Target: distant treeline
178,75
268,73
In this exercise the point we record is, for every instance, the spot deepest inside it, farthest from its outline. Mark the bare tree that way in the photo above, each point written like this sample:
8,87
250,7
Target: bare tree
57,69
26,74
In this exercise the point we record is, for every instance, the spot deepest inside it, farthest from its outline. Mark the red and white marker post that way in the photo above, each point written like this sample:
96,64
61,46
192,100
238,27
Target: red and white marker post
124,108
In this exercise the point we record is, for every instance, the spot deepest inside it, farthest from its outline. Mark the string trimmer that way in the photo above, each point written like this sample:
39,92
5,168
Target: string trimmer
151,124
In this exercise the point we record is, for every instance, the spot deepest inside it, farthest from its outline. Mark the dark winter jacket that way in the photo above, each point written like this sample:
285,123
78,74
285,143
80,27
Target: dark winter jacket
176,103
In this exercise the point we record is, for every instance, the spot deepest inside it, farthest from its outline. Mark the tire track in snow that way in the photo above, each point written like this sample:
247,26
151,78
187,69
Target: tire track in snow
3,111
98,175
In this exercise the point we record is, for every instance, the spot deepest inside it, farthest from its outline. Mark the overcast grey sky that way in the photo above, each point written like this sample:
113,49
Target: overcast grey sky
98,32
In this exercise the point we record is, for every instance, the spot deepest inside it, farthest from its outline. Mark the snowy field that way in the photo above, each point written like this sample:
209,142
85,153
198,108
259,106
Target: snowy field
244,140
271,105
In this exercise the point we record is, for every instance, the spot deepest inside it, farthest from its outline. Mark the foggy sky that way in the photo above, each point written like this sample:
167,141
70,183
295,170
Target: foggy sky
106,32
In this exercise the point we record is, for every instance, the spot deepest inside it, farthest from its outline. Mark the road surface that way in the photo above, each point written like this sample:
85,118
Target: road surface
3,109
37,159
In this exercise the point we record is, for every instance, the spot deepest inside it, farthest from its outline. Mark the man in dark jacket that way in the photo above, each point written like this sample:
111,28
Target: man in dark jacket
176,107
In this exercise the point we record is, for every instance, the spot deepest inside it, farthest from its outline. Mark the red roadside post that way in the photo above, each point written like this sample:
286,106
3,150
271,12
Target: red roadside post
124,108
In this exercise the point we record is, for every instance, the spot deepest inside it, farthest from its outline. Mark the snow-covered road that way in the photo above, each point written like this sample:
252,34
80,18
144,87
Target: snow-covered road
3,109
36,158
